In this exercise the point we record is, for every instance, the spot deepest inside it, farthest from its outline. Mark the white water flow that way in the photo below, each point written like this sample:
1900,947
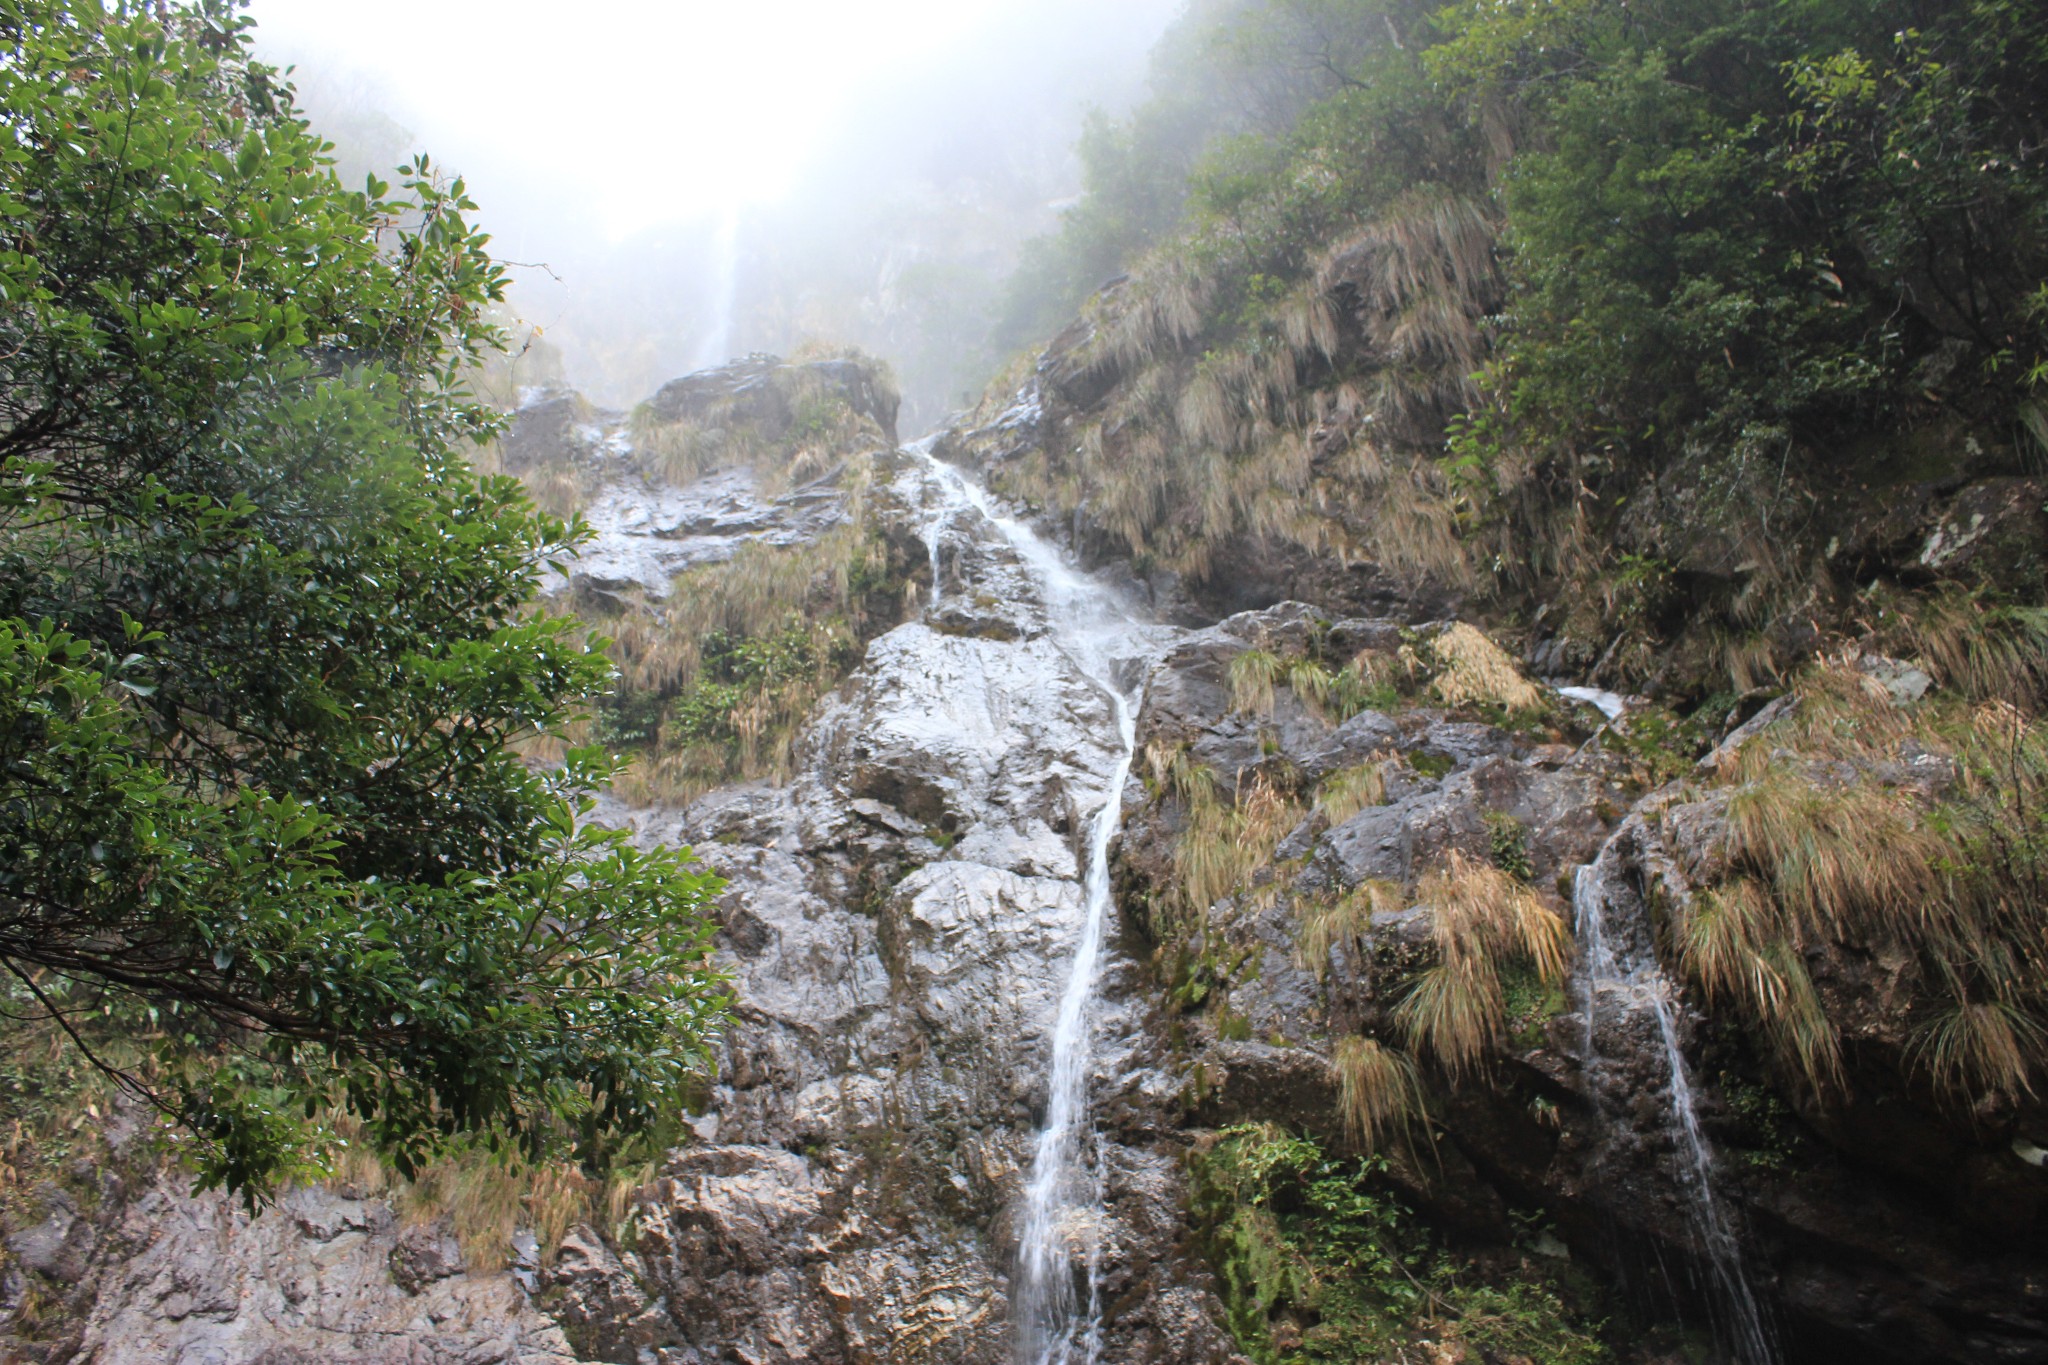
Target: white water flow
934,532
1620,965
1060,1244
725,289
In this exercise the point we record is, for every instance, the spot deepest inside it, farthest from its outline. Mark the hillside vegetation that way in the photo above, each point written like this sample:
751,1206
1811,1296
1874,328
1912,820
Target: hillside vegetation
1646,328
272,868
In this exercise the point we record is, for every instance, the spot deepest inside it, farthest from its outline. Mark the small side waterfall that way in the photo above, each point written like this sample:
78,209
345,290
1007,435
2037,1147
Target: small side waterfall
1061,1223
1620,970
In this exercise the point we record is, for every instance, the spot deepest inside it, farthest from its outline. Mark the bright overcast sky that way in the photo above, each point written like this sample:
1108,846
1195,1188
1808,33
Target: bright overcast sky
660,109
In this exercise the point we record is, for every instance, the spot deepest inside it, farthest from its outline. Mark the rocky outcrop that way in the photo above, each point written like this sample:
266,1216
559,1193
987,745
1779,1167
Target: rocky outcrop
1879,1227
646,534
162,1275
900,922
766,396
651,520
1044,416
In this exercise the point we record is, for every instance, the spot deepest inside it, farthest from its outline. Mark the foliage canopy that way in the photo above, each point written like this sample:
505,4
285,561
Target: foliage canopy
264,636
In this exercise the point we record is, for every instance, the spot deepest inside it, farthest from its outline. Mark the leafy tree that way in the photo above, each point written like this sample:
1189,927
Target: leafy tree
265,638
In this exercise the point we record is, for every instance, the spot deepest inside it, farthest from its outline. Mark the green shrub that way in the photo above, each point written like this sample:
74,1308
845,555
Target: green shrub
1317,1262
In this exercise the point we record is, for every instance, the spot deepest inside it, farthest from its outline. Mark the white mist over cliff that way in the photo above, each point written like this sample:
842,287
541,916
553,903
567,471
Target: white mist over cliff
769,174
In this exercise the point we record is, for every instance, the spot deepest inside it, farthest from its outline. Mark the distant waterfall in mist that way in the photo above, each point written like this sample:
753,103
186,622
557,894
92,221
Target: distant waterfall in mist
716,348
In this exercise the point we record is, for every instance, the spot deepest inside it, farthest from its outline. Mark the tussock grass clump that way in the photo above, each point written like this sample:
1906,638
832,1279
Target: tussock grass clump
1426,276
560,490
1836,855
1252,677
487,1198
1484,920
1348,791
1475,670
1981,650
684,450
1225,846
1325,922
1950,874
485,1195
1379,1093
1333,695
1971,1047
1733,941
1174,773
1228,421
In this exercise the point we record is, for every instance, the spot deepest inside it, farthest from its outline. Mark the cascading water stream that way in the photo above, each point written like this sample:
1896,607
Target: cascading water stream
1062,1220
934,534
1619,962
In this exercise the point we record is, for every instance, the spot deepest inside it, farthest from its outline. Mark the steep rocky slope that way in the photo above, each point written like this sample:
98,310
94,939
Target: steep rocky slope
903,912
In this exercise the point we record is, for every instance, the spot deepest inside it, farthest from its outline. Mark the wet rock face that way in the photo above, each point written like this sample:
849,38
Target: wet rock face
765,394
556,426
1894,1233
648,529
647,534
901,923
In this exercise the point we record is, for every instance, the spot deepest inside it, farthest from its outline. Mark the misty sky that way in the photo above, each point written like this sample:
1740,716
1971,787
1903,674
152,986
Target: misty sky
654,111
608,139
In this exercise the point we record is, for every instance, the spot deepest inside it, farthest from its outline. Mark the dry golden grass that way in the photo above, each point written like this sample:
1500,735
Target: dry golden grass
754,593
1721,937
1841,860
1735,943
1308,320
1348,791
1224,847
1751,661
1483,919
1473,669
486,1199
560,490
1455,1010
1312,682
1951,877
1252,676
1429,278
1379,1093
484,1196
1982,652
1324,923
1973,1048
1157,311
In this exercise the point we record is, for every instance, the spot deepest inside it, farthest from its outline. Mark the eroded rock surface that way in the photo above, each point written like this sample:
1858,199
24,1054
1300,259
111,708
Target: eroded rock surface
1891,1233
318,1277
902,919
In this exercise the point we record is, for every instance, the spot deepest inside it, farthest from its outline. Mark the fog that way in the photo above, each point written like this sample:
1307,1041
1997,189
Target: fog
682,181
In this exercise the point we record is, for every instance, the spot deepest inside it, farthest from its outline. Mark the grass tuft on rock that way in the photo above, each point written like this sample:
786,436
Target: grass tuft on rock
1484,920
1379,1093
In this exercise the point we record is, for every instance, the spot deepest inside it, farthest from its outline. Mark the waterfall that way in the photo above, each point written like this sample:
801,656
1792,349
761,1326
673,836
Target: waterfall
1619,963
725,285
1060,1237
934,533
